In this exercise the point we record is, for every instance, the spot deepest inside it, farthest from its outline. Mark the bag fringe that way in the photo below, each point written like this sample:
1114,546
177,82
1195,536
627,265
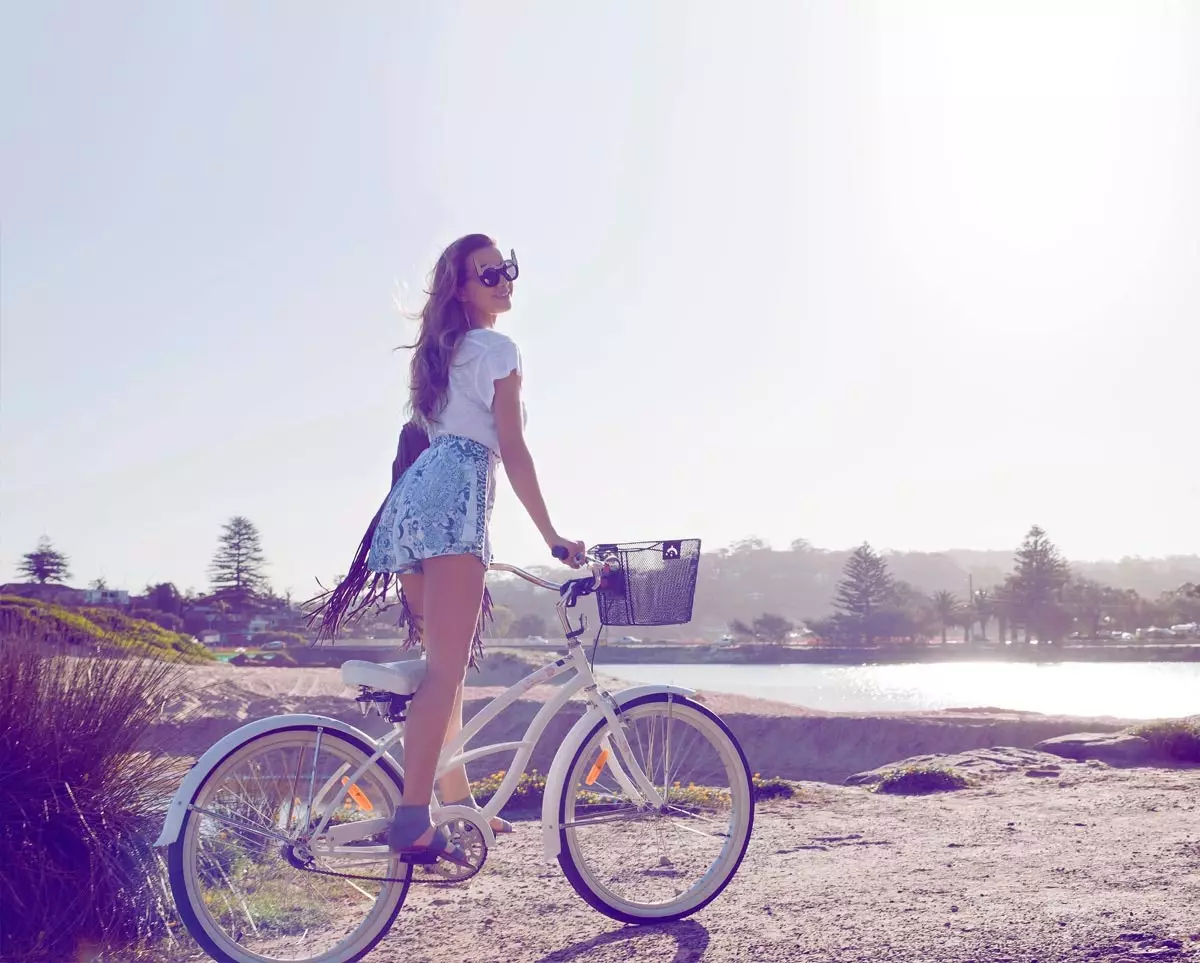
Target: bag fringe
362,590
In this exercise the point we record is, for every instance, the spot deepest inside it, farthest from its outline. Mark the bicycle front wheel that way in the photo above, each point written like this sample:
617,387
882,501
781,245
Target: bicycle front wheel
251,881
641,865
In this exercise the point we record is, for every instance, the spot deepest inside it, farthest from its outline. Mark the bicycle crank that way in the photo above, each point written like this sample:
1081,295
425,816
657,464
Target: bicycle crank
463,834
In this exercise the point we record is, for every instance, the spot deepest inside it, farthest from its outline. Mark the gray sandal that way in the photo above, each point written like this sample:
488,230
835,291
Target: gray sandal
410,824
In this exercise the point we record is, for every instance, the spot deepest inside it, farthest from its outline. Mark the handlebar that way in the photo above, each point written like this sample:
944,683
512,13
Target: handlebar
601,573
599,567
560,553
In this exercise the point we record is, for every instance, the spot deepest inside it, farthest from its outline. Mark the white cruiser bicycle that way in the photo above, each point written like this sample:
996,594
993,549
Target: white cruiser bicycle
277,836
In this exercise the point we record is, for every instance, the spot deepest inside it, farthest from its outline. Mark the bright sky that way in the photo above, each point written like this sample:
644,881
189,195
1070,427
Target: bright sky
920,273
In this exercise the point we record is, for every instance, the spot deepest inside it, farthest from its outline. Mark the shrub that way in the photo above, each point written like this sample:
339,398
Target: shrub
92,628
82,802
532,785
1177,739
527,795
290,639
916,780
166,620
772,788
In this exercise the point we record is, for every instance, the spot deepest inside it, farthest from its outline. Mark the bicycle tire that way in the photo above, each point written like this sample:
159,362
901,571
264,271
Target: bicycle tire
572,862
182,872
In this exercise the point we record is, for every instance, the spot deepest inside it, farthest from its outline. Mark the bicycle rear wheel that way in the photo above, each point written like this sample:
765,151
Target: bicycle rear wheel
241,870
645,865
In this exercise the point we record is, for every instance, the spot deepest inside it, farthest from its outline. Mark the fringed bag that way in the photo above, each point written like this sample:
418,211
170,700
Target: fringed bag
362,590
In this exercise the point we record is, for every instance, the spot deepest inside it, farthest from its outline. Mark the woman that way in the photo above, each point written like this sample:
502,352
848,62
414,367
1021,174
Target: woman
432,531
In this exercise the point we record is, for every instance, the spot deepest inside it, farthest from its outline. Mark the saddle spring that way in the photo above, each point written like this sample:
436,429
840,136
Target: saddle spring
387,704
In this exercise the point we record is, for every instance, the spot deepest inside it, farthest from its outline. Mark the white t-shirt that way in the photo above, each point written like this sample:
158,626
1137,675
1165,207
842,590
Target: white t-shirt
483,356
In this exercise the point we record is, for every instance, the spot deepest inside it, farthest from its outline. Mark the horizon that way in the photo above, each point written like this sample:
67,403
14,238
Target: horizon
205,587
825,270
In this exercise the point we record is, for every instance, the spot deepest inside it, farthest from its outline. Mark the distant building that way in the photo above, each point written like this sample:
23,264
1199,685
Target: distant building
118,598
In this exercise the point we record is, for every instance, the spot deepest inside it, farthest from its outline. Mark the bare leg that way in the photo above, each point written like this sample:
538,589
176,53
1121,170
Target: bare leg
453,783
453,593
453,786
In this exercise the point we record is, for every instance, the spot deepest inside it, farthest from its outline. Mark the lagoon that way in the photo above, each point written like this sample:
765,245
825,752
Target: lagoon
1140,690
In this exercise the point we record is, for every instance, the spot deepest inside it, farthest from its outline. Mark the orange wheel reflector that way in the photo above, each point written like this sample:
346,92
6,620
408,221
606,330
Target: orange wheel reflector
597,768
358,796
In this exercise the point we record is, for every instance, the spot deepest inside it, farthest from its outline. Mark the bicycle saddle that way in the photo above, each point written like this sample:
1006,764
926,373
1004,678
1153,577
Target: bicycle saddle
402,678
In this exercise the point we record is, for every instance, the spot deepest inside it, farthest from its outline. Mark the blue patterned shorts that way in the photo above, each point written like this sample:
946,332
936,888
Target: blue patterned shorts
440,506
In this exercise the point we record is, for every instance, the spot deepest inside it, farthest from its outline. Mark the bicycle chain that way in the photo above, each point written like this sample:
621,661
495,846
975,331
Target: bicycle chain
309,865
311,868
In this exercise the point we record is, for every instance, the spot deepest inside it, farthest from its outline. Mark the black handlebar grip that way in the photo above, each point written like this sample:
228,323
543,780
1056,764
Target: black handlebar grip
559,552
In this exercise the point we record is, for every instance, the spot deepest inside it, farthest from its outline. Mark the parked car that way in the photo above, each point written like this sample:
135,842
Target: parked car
276,644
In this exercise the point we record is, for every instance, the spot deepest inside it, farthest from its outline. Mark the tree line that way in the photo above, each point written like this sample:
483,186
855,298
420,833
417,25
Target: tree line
854,597
237,577
1040,600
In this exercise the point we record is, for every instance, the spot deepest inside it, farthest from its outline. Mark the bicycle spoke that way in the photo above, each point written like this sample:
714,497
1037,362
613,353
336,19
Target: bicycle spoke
239,824
250,881
639,863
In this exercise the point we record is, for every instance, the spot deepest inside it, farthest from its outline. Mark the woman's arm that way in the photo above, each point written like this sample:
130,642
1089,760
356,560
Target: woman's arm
518,462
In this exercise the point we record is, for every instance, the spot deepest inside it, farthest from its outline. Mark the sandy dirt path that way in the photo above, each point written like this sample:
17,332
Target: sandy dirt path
1098,865
1086,863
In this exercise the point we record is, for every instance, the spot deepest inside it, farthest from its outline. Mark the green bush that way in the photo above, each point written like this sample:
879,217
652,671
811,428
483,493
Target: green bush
772,788
917,780
81,799
166,620
92,628
532,785
1177,739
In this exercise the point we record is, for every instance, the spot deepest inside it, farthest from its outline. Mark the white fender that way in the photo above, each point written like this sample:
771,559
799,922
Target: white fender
557,776
220,749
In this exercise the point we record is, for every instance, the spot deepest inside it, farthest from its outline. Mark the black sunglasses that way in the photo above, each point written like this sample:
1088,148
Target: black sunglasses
490,277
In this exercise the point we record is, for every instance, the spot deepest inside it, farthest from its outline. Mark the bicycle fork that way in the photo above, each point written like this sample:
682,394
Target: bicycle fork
623,764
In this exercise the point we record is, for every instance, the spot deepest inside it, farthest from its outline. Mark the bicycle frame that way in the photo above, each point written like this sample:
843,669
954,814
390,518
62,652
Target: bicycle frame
624,769
328,840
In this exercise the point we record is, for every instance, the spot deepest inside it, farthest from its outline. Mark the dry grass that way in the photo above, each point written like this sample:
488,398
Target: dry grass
920,779
530,789
1177,739
92,629
81,800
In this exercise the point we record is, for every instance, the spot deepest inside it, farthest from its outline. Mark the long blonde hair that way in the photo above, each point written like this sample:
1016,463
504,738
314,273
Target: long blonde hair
443,321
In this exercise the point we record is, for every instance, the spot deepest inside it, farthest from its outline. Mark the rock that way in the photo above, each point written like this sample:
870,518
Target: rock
995,761
1112,747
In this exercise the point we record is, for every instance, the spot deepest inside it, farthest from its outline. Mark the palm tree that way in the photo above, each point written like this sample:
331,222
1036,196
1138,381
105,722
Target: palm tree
947,608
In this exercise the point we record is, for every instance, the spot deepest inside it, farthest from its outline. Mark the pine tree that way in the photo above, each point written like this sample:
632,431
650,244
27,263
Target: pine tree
865,589
1036,586
239,562
44,564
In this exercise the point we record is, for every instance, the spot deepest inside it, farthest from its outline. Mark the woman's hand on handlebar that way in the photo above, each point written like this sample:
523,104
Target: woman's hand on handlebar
565,550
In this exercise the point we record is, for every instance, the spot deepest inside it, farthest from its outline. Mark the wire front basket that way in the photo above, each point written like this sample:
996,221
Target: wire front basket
654,583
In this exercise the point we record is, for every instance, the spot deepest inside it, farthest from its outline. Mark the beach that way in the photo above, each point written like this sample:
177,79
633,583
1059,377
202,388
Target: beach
1042,859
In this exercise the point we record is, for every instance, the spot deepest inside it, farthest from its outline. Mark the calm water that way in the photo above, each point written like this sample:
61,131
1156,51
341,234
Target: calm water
1141,690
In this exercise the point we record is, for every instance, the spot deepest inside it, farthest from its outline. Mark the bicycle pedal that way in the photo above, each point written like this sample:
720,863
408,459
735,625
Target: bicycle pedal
419,859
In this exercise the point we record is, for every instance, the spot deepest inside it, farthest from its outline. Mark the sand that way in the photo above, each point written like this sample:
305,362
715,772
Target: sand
1045,859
